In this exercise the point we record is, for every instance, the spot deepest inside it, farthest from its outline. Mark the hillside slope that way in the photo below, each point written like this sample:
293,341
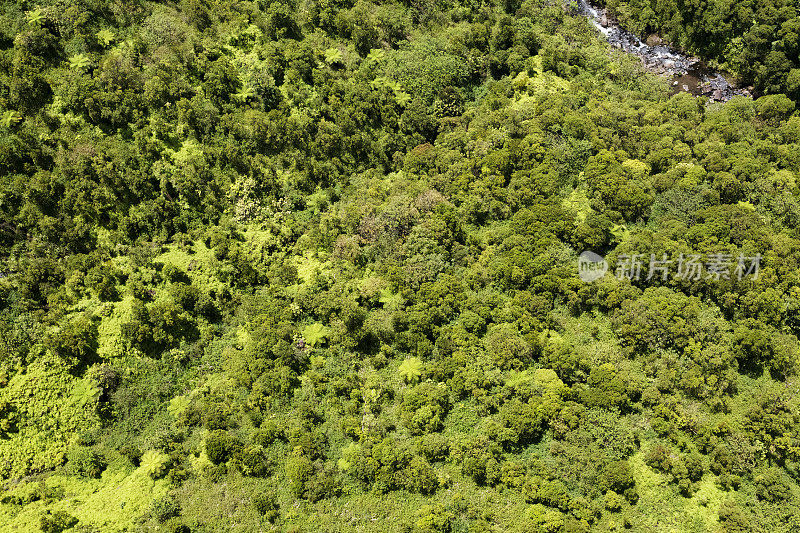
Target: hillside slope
314,266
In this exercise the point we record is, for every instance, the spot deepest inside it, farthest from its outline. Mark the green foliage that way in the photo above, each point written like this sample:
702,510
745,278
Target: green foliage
478,457
333,56
44,407
662,318
76,342
158,327
606,388
315,334
376,55
733,519
267,506
424,67
327,252
10,118
525,420
105,36
164,508
299,471
506,348
154,463
618,184
421,476
220,446
79,62
254,462
424,408
544,518
433,519
410,369
83,461
618,478
758,42
57,522
34,16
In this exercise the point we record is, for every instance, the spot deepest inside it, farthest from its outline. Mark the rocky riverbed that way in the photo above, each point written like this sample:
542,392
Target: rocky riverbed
686,73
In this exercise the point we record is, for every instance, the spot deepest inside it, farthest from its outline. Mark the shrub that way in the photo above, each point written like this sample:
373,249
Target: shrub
174,274
507,348
266,505
613,501
268,433
433,446
733,519
420,476
299,470
185,295
617,477
75,342
433,519
56,522
87,462
254,462
544,519
523,419
132,453
478,459
219,446
164,508
553,494
771,486
658,458
216,416
154,463
424,408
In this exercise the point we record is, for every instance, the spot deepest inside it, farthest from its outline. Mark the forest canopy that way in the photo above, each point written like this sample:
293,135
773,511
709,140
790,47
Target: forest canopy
310,265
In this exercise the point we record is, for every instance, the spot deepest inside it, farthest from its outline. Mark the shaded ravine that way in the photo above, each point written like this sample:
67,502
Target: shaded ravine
688,74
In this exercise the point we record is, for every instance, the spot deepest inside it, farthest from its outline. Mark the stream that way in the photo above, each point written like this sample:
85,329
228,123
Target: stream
688,74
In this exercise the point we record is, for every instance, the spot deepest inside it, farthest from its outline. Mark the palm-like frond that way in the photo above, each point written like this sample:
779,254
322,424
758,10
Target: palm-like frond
410,369
35,16
333,55
79,62
105,36
10,118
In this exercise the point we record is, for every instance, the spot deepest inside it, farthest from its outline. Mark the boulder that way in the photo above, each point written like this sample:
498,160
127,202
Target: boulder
654,40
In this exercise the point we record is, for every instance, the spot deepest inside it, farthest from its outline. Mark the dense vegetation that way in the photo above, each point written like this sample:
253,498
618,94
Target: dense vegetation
758,41
312,266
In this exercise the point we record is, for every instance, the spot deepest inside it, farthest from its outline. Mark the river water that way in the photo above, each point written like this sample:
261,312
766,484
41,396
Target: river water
688,74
